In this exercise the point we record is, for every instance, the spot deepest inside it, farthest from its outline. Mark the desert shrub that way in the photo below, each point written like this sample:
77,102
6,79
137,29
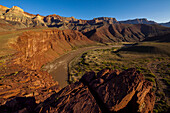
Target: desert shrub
161,107
116,67
125,68
151,75
139,70
167,81
168,65
146,60
150,79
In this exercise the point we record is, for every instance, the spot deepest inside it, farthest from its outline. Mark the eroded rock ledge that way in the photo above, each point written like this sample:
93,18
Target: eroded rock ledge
108,91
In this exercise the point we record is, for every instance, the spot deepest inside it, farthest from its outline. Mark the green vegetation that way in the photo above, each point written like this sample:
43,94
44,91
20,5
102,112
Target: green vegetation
167,81
161,106
151,75
151,59
121,59
150,79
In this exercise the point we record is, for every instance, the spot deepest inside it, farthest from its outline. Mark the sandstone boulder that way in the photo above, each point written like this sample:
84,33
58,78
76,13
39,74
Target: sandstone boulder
74,98
109,91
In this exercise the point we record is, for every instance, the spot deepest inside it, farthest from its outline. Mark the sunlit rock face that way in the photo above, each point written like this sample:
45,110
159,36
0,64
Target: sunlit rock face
39,47
19,18
106,91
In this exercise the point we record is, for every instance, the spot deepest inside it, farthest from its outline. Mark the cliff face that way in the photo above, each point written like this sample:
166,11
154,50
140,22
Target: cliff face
21,76
39,47
17,17
53,19
3,9
108,91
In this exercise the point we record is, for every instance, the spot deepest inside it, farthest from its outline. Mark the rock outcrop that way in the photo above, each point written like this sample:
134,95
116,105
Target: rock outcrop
108,91
109,20
3,9
21,82
15,9
19,19
54,19
39,47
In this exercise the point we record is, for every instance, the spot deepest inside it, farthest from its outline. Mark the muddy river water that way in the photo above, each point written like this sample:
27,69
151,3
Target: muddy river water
59,67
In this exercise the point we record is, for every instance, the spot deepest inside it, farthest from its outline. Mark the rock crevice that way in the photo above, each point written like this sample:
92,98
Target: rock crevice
108,91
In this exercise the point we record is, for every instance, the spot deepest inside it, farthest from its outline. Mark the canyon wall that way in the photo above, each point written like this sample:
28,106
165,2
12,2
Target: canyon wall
39,47
21,75
125,32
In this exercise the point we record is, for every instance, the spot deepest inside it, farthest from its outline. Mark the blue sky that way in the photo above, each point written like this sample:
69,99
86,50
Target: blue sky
157,10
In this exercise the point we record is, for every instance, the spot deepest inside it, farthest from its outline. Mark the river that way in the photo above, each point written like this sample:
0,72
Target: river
59,67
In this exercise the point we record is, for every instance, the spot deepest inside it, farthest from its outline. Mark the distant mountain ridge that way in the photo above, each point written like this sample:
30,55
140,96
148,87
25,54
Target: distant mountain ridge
138,21
17,14
101,29
165,24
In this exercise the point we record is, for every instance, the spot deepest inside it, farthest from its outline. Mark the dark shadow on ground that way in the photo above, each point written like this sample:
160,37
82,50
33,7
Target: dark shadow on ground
19,104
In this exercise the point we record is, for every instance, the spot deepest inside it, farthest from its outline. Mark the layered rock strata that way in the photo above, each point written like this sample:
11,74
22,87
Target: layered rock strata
39,47
108,91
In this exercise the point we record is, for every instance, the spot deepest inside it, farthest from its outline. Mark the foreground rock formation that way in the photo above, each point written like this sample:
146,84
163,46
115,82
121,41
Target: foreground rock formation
108,91
18,81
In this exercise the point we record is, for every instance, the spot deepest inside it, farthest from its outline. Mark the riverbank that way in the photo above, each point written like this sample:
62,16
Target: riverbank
59,67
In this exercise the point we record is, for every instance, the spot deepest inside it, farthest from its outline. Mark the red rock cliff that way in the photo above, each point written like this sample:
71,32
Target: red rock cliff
39,47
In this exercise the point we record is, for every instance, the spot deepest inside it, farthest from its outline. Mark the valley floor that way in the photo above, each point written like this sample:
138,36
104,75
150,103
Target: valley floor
59,68
151,59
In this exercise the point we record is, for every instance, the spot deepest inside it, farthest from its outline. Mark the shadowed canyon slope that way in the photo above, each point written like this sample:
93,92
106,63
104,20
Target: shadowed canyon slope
125,32
165,24
108,91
